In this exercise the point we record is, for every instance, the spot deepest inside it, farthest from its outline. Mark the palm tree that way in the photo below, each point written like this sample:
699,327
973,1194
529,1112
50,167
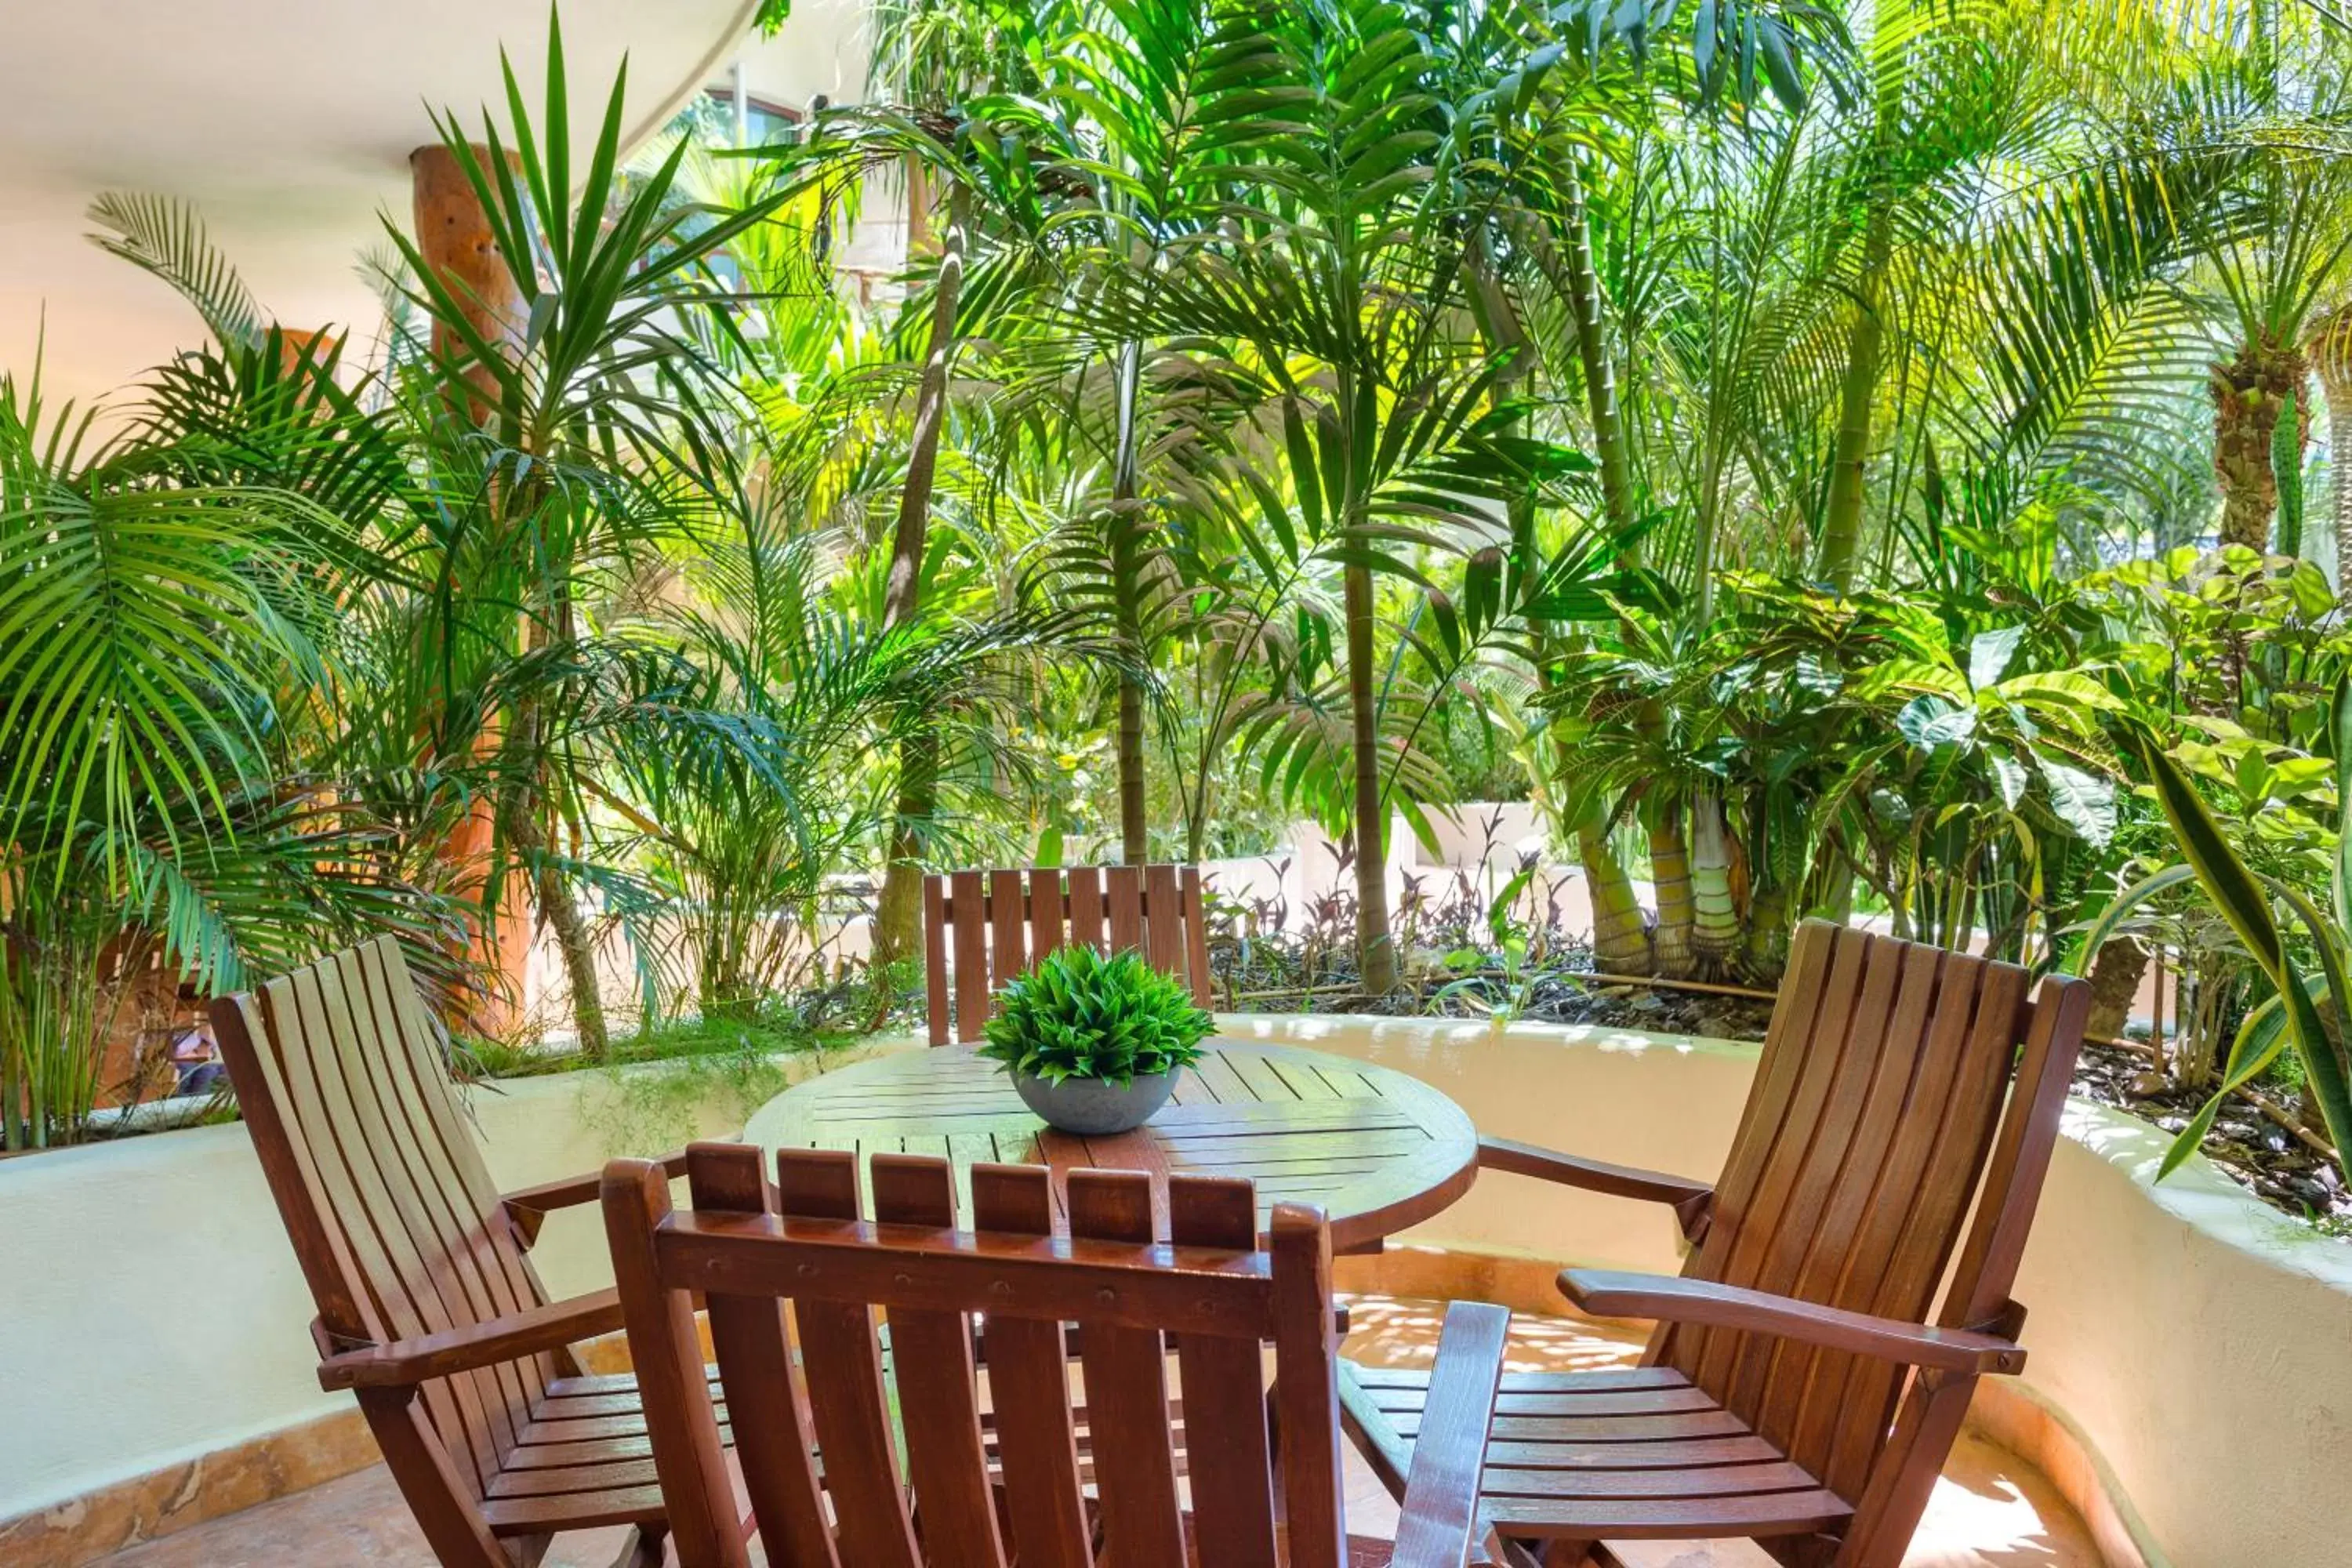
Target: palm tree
1366,404
1119,131
169,599
2329,350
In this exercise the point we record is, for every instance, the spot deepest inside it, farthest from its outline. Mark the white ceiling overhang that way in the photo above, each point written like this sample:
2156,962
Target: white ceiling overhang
287,124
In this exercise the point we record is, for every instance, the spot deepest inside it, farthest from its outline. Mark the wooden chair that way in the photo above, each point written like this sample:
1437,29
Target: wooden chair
429,1309
960,1489
998,923
1798,1389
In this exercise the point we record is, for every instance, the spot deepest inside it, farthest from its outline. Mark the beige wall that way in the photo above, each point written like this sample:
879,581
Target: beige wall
2200,1344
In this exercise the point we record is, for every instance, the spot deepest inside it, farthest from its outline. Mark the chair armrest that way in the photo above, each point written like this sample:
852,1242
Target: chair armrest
406,1361
1693,1202
1439,1515
527,1208
1609,1294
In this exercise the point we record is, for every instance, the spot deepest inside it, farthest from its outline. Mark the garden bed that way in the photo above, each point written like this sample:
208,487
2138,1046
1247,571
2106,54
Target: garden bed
2247,1141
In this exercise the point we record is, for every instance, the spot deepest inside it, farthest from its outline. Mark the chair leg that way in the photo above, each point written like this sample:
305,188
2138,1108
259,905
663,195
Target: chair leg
1497,1551
1566,1553
647,1547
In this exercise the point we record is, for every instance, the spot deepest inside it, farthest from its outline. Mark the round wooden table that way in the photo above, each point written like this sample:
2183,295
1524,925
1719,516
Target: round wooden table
1377,1150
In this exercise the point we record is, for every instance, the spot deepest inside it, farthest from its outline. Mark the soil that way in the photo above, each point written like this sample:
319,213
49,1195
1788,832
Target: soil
2258,1153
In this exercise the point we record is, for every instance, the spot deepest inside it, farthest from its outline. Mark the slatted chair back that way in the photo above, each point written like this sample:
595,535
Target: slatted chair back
1882,1115
983,927
753,1249
340,1077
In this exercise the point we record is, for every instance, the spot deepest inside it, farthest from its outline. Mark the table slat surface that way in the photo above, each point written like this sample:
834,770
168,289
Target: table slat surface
1377,1149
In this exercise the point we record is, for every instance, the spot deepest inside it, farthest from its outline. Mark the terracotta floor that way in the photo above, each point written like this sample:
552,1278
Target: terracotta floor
1988,1511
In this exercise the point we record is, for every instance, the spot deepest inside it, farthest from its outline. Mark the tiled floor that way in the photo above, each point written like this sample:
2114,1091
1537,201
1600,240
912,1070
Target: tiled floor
1988,1511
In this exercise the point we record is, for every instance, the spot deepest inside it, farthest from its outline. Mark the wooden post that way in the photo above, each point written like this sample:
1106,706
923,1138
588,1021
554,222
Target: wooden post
454,236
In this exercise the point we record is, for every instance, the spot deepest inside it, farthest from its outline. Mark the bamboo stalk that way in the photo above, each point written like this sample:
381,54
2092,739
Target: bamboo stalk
1708,987
2287,1119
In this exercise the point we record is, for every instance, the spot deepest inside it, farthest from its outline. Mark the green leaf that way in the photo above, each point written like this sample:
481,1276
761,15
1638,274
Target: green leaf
2235,894
1078,1014
2085,802
1989,653
2262,1036
1930,723
2061,687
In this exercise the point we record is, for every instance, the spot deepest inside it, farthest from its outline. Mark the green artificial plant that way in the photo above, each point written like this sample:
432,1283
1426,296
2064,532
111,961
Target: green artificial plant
1080,1014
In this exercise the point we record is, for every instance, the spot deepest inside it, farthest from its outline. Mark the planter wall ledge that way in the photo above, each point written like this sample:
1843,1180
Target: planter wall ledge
2190,1389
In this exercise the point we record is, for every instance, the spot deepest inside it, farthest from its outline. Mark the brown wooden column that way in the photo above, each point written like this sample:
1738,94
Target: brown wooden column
454,236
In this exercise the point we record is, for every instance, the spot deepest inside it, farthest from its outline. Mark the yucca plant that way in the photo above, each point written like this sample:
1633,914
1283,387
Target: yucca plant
1078,1014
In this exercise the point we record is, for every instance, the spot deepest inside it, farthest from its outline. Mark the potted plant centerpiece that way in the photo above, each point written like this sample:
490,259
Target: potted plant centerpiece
1093,1044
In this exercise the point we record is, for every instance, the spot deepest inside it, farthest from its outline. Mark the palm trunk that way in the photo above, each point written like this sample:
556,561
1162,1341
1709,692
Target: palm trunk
1670,873
1766,952
1375,951
2286,471
897,915
2116,973
2331,355
2339,484
525,804
1857,401
14,1040
2249,394
1620,935
1593,351
1714,928
918,207
561,912
522,799
1127,560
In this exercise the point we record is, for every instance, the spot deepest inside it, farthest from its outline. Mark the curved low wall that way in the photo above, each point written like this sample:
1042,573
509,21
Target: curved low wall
155,1361
2197,1344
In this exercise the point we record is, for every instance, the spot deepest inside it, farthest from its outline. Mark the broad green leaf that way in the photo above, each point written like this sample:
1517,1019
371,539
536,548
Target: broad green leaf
1989,653
2083,801
2261,1038
1931,723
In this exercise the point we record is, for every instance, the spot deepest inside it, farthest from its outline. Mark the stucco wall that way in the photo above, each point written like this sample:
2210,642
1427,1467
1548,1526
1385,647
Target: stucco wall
2202,1344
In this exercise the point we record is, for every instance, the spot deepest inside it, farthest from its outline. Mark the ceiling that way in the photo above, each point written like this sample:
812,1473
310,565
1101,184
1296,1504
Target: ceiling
287,124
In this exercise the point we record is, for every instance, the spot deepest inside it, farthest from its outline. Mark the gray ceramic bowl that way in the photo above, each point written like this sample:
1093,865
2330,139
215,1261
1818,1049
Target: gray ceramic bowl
1094,1106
